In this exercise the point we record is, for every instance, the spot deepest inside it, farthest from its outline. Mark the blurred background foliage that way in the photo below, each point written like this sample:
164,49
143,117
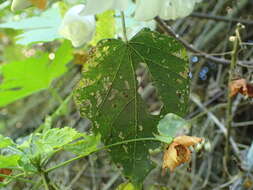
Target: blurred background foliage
202,28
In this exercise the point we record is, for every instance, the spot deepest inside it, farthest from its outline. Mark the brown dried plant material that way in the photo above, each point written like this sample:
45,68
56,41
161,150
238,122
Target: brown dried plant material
240,86
81,57
178,152
41,4
5,172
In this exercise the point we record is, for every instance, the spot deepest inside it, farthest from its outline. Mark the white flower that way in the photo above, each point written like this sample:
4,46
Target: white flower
99,6
166,9
20,4
76,28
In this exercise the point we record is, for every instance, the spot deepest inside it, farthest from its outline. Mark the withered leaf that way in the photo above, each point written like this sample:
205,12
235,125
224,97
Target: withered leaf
178,152
240,86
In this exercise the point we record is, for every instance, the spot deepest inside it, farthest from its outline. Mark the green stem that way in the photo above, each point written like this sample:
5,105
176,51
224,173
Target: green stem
45,182
229,114
124,26
99,149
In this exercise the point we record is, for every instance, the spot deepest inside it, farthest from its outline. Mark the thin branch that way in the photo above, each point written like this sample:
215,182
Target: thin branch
76,178
242,124
222,18
223,129
45,182
168,30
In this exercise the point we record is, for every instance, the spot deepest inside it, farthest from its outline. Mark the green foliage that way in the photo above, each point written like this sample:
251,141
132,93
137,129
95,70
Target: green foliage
57,138
9,161
170,125
158,187
85,146
5,141
33,154
105,27
13,53
43,28
126,186
41,146
22,78
108,95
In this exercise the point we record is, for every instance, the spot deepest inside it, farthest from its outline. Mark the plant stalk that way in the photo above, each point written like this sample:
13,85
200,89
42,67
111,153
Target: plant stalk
99,149
45,181
124,26
229,114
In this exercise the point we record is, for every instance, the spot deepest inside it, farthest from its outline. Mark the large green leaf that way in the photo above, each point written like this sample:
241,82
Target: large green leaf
108,95
22,78
41,28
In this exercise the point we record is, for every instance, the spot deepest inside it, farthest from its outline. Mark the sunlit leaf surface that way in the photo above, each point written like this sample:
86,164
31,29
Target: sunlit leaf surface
22,78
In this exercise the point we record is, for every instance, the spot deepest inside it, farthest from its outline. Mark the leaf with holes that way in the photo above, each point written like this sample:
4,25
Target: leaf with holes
108,94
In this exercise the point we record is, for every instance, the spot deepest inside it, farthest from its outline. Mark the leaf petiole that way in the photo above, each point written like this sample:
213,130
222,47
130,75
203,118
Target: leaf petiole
99,149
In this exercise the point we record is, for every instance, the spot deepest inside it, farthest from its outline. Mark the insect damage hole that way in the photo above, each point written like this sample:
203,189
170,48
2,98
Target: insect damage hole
147,91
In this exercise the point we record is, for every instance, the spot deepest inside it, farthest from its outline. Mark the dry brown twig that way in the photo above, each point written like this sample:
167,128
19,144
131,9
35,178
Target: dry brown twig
168,30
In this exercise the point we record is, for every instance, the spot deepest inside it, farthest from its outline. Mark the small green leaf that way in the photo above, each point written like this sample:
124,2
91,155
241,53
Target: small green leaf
9,161
85,146
57,138
5,142
43,28
170,125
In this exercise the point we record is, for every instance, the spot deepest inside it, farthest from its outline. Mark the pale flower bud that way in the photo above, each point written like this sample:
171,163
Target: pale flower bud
166,9
18,5
76,28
